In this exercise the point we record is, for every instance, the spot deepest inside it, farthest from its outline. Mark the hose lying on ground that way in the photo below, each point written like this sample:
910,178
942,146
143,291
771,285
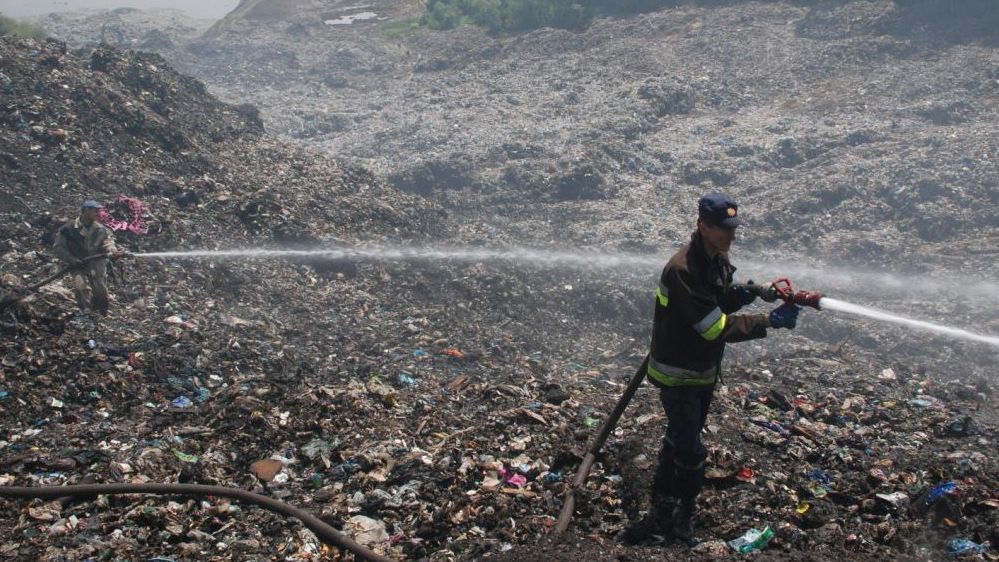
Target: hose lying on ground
569,504
326,533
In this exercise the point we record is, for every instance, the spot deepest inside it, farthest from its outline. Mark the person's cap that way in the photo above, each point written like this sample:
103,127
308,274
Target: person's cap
91,204
718,210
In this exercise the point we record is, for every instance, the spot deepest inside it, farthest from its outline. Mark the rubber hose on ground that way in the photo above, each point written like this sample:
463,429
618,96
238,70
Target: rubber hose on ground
326,533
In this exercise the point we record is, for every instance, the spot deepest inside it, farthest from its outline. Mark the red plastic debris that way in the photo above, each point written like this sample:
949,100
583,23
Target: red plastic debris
135,224
746,474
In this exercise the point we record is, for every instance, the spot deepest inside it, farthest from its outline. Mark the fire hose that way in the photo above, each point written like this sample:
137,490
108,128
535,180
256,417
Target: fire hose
323,531
780,289
22,293
569,504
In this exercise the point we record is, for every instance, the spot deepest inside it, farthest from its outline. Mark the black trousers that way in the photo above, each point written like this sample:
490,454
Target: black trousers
680,472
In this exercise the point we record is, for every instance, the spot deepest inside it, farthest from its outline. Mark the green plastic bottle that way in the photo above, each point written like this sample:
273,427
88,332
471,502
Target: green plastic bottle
752,540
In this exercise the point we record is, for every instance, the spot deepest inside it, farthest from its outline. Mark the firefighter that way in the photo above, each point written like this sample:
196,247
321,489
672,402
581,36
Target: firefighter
81,238
694,319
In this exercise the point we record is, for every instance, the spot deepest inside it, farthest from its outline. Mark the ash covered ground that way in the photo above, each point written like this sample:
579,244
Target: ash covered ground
437,410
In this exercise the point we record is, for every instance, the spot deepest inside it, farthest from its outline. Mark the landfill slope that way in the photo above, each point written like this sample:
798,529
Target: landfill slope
872,119
859,137
437,410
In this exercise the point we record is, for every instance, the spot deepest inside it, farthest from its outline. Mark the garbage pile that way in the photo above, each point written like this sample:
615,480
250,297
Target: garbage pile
869,124
151,29
295,378
829,456
821,458
430,411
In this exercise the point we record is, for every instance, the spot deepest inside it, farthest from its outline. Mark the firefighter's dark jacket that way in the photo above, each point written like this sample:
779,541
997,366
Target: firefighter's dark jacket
76,241
693,319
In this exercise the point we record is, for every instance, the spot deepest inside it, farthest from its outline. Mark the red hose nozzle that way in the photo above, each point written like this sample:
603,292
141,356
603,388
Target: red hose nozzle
805,298
785,291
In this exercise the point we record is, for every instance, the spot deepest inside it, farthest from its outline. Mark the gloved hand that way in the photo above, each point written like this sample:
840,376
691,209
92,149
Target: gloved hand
784,316
743,294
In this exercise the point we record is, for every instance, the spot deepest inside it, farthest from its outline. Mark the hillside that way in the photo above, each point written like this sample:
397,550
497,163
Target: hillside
697,98
859,136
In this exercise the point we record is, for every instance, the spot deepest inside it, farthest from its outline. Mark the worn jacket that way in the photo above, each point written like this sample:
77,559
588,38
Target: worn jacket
75,241
694,320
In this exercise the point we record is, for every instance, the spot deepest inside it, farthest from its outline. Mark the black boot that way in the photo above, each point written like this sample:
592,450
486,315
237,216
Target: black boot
100,305
683,520
652,528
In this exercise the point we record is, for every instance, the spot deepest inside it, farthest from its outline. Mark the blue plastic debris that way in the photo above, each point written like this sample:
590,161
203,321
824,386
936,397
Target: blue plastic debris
939,491
958,547
772,426
181,402
819,476
344,469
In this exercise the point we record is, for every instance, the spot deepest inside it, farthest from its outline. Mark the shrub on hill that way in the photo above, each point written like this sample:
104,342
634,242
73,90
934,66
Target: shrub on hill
522,15
10,26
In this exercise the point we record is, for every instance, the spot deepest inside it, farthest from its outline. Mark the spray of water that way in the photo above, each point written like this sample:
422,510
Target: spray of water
855,280
842,306
594,260
826,278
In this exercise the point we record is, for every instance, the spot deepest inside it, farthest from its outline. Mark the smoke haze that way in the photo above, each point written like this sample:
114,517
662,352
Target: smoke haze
195,8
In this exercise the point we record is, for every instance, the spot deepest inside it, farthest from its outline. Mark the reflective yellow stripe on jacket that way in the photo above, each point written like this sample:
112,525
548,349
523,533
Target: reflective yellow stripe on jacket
675,376
711,326
662,295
